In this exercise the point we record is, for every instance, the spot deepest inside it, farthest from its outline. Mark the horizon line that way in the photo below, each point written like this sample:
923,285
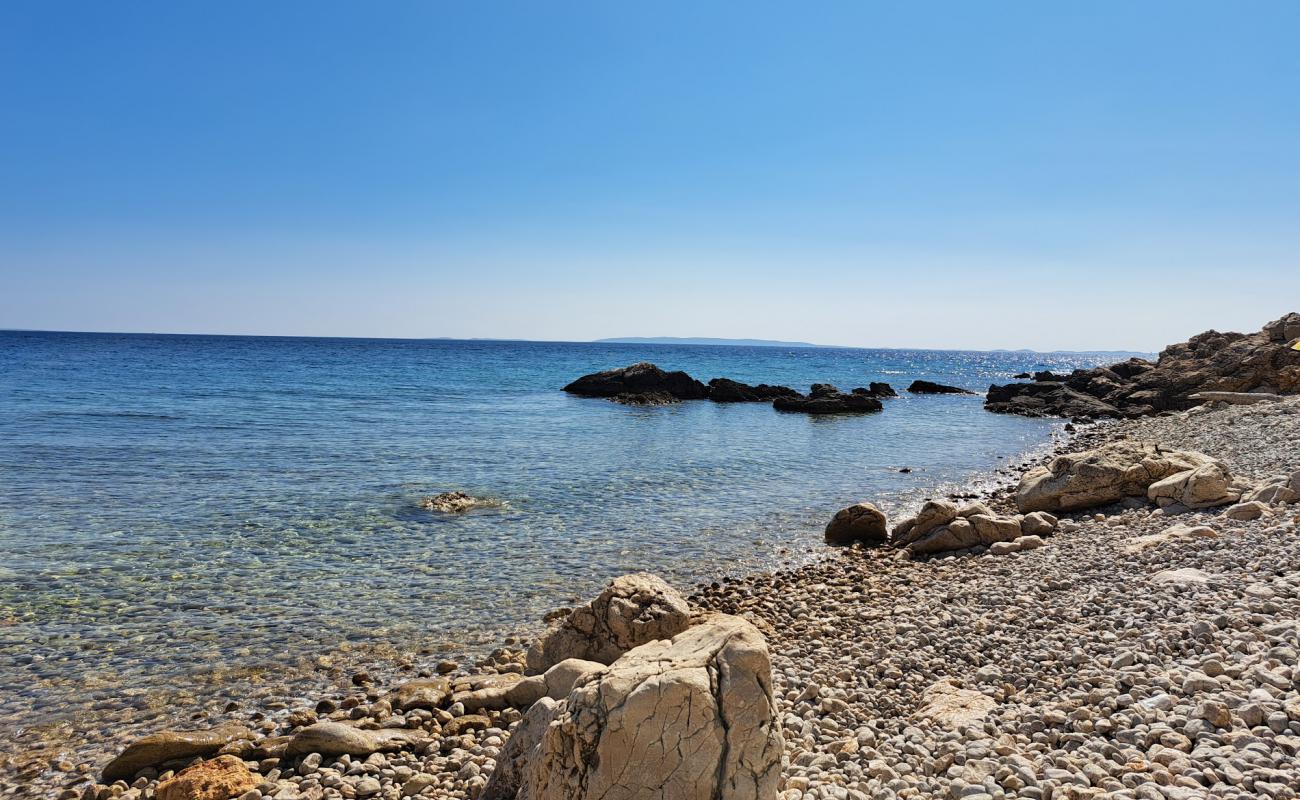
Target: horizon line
606,340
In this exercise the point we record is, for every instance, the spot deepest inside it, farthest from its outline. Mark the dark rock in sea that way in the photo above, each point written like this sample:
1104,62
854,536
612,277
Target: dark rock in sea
1046,399
1022,376
1209,362
725,390
645,399
878,389
639,379
826,399
929,387
456,502
1048,376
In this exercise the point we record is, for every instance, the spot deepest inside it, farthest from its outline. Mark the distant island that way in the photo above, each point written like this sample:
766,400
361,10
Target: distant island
706,340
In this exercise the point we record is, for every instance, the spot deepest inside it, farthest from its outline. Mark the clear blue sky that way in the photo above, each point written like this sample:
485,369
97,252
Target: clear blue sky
1051,175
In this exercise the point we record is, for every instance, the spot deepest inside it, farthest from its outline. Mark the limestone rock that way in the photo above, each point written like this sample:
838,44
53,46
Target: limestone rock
1205,486
862,522
1171,534
1105,475
641,378
456,503
632,610
1247,511
156,748
1236,398
933,514
689,719
1275,490
504,783
427,693
951,706
219,779
1187,576
336,739
1038,523
561,678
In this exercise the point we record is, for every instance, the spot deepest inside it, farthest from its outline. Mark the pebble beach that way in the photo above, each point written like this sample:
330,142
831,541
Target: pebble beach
1113,661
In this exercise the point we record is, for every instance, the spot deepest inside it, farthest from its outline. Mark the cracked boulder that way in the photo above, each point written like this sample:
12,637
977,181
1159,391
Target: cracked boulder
633,610
1206,486
690,719
1108,474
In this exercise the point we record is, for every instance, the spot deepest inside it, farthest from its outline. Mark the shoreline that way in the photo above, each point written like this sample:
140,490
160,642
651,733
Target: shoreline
762,595
272,693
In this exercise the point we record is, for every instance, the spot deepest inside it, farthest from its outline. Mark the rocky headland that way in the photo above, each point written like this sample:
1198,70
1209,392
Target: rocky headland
1225,367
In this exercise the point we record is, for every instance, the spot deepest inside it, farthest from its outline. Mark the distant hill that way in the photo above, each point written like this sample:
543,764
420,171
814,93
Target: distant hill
705,340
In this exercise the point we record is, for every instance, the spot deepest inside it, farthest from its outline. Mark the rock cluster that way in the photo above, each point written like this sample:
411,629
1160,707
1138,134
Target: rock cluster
943,526
827,399
645,384
642,378
456,503
1212,362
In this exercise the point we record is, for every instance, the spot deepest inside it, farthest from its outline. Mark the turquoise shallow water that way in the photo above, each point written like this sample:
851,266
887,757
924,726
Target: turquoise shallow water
178,507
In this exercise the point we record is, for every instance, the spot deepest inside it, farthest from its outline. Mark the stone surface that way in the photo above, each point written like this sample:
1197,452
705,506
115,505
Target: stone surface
1247,511
507,776
1038,523
426,693
456,503
690,719
219,779
632,610
1205,486
638,379
1107,474
164,746
947,704
861,522
336,739
1175,533
824,398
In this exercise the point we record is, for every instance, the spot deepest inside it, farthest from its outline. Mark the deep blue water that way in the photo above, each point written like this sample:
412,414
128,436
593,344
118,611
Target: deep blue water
178,507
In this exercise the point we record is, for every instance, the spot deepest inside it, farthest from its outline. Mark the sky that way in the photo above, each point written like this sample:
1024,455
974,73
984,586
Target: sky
1103,175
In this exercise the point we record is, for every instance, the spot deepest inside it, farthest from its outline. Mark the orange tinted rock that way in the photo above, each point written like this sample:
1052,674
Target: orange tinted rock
221,778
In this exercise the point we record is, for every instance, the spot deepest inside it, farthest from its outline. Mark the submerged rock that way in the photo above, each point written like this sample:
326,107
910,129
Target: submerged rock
633,610
826,399
337,739
457,503
639,379
929,387
725,390
645,399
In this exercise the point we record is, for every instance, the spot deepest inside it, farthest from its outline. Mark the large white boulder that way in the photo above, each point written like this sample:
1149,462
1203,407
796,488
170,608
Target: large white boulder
1205,486
633,610
689,719
1102,476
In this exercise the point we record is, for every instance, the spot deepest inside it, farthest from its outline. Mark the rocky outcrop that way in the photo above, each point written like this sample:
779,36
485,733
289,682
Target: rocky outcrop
1207,367
929,387
861,522
1105,475
826,399
725,390
879,389
426,693
941,526
690,719
337,739
219,779
631,611
507,778
639,379
164,746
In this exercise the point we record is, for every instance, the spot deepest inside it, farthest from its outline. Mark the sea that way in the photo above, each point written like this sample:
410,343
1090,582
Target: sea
186,520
